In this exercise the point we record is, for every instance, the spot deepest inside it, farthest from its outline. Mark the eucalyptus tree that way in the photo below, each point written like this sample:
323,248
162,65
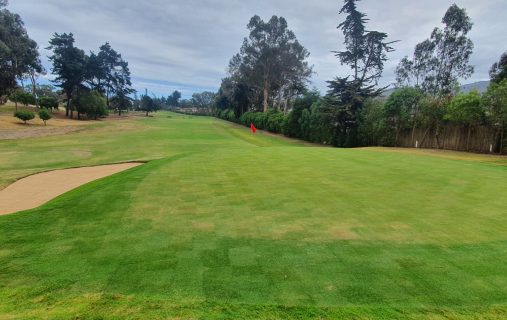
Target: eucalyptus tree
204,100
19,55
271,61
498,72
440,61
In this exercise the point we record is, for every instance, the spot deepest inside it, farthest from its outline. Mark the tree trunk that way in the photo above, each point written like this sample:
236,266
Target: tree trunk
119,112
265,92
286,107
34,89
468,137
397,136
437,133
501,140
413,133
67,106
146,113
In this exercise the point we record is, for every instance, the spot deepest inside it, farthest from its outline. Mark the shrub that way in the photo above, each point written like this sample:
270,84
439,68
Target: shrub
227,114
23,97
45,115
247,118
93,104
48,102
274,121
24,115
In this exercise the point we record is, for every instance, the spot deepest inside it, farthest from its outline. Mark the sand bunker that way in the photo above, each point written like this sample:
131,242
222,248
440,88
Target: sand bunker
37,189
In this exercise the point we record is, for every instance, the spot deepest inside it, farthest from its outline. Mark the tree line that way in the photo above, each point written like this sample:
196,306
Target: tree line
267,85
91,84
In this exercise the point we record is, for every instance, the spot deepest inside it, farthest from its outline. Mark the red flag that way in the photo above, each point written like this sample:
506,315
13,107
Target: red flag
254,129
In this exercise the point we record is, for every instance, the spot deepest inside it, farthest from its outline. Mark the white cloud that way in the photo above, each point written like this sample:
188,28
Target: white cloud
187,44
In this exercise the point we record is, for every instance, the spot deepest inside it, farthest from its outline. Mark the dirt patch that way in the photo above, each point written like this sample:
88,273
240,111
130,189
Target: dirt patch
12,128
343,232
37,189
30,132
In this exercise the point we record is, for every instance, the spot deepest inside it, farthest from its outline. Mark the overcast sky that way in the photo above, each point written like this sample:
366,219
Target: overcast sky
186,44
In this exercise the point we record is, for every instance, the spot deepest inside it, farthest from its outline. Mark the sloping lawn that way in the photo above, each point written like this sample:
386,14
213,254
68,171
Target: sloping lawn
221,224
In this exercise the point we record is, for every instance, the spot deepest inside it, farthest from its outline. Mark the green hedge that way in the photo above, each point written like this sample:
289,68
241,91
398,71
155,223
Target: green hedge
272,121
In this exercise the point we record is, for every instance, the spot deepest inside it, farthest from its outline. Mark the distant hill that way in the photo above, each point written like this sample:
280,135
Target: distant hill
480,86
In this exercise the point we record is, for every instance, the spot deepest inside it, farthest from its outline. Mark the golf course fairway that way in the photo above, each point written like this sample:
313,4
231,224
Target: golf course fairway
223,224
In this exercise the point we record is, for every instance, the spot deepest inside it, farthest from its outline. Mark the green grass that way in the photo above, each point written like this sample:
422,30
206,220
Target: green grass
225,225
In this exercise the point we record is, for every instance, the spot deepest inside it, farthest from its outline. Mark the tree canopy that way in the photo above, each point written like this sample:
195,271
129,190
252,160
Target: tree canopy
19,54
69,64
498,72
271,65
441,60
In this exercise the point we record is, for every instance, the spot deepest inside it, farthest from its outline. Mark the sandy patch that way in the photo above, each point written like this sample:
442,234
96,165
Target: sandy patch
37,189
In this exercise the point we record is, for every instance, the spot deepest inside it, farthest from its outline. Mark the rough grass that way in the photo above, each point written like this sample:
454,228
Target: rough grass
224,225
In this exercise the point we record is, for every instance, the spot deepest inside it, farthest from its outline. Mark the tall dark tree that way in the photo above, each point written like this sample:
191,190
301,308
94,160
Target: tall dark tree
69,65
19,55
271,61
113,72
122,87
365,53
173,99
498,71
234,94
96,73
147,104
441,60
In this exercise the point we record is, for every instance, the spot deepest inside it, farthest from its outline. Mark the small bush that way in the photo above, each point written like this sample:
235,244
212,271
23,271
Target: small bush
227,114
24,115
23,97
45,115
48,102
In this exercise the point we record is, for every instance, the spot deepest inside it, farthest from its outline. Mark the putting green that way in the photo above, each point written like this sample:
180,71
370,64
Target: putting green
222,224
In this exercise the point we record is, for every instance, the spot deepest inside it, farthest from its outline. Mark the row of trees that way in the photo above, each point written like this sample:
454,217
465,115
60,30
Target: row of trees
86,79
383,122
83,78
354,111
